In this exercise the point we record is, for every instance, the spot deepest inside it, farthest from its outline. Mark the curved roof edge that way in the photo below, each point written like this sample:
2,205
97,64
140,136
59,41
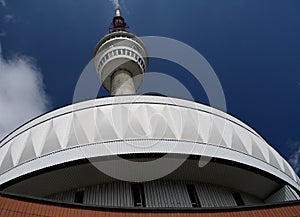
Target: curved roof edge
91,122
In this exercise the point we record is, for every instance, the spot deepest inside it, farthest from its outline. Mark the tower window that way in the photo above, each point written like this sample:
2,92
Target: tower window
193,195
138,195
79,197
238,199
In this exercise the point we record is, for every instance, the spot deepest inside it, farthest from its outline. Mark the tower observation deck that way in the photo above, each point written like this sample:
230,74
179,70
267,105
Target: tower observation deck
120,59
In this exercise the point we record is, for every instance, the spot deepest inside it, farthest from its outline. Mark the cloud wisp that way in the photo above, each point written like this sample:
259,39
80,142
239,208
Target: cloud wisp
3,3
115,3
22,95
294,158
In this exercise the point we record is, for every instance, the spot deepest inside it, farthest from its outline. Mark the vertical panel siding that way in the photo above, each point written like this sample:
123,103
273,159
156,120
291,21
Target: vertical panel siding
67,196
166,194
294,193
214,196
162,193
283,194
111,194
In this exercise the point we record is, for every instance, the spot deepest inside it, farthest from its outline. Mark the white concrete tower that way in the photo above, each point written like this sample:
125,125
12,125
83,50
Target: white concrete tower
120,59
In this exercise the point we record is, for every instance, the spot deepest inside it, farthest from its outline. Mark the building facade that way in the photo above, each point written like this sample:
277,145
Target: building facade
108,156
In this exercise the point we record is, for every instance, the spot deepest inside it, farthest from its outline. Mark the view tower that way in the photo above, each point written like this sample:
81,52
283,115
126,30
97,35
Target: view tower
128,153
120,59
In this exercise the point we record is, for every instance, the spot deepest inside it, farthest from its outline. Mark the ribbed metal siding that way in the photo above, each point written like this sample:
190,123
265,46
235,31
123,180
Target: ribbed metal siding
283,194
111,194
67,196
166,194
163,193
214,196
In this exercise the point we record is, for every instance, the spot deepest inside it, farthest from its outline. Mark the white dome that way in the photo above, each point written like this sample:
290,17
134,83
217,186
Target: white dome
61,135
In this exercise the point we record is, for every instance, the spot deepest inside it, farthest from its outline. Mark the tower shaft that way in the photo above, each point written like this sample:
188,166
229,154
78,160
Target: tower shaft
122,83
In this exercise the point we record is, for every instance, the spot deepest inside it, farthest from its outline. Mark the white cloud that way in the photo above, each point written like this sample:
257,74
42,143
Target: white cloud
3,3
22,96
294,158
115,3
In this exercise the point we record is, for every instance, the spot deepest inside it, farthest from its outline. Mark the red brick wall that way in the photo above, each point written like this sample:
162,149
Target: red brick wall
11,207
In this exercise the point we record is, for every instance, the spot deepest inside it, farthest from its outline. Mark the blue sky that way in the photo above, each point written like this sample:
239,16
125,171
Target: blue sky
253,46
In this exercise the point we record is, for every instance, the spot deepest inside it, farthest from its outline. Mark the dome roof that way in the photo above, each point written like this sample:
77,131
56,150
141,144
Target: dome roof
74,132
